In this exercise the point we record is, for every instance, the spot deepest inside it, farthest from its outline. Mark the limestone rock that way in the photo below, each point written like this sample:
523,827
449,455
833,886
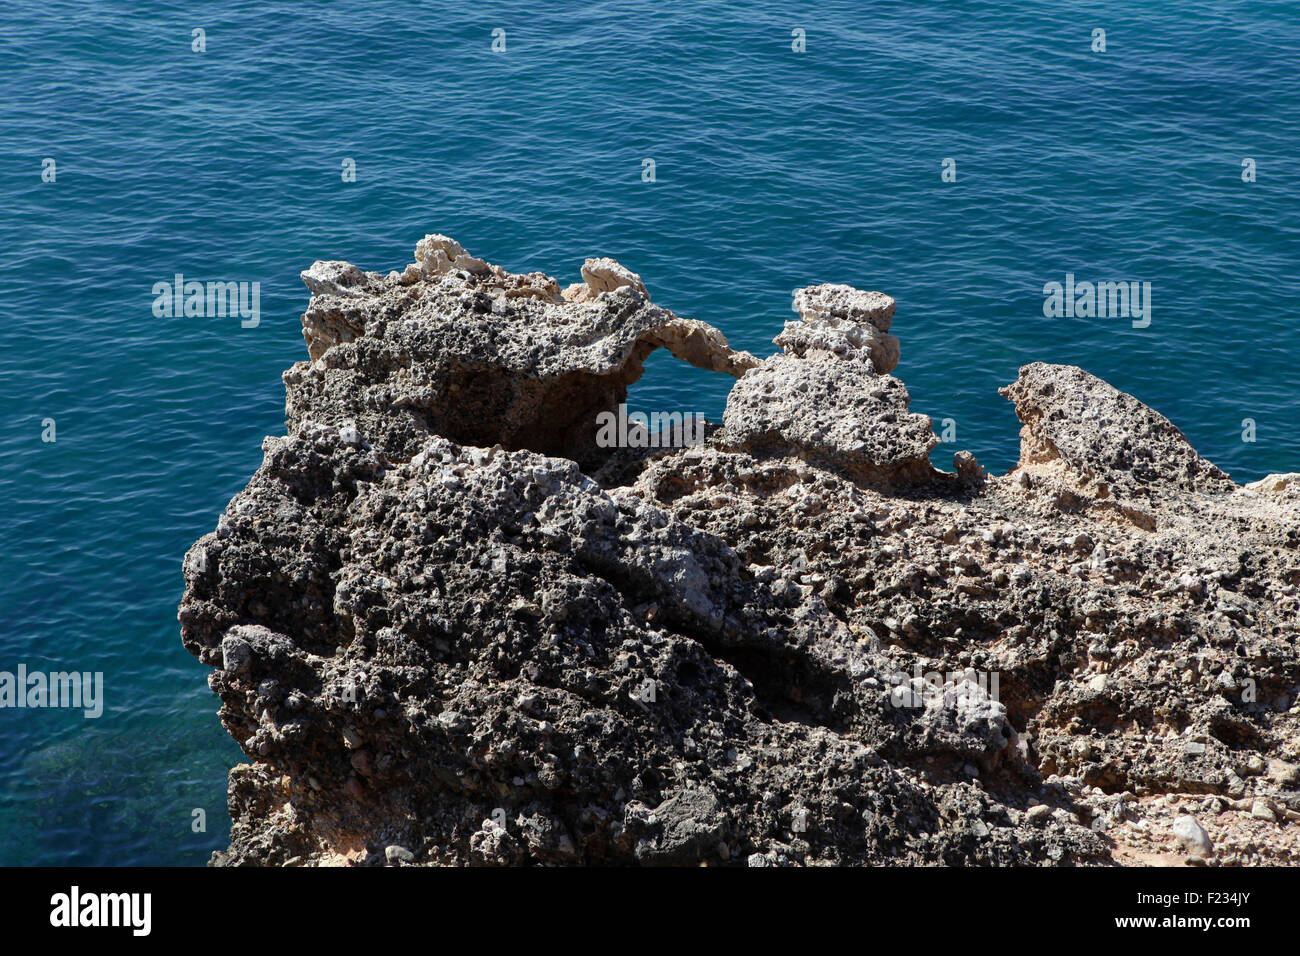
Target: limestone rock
1103,436
831,413
459,348
441,619
1275,484
844,321
1192,836
831,302
606,275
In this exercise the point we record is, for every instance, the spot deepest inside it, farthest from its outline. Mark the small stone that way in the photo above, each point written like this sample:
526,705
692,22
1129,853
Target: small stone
1192,836
1039,813
452,720
967,466
236,655
1260,810
398,854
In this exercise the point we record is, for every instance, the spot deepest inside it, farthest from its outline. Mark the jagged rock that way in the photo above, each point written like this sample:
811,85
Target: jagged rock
439,255
1275,484
341,303
606,275
842,303
967,466
459,348
832,413
1107,439
845,322
692,823
440,618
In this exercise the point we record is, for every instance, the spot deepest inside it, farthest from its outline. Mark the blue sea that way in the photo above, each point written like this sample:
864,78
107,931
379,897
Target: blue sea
780,159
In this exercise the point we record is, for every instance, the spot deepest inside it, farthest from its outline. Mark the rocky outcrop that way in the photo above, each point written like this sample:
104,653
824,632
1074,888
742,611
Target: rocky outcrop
453,346
844,321
448,627
1106,440
836,414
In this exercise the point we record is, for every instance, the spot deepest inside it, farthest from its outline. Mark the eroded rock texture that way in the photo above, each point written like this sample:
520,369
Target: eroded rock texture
447,627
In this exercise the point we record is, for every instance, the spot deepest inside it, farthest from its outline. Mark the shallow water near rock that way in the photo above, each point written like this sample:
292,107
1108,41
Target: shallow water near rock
773,170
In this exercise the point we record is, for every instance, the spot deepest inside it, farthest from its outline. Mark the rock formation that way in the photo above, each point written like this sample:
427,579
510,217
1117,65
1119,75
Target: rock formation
447,627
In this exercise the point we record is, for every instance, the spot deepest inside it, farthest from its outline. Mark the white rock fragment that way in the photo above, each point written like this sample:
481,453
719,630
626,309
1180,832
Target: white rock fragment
1192,836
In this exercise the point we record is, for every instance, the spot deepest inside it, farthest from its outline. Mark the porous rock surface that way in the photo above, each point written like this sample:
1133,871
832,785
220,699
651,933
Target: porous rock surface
447,628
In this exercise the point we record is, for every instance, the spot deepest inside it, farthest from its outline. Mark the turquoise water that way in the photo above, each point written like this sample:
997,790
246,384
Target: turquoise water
773,169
